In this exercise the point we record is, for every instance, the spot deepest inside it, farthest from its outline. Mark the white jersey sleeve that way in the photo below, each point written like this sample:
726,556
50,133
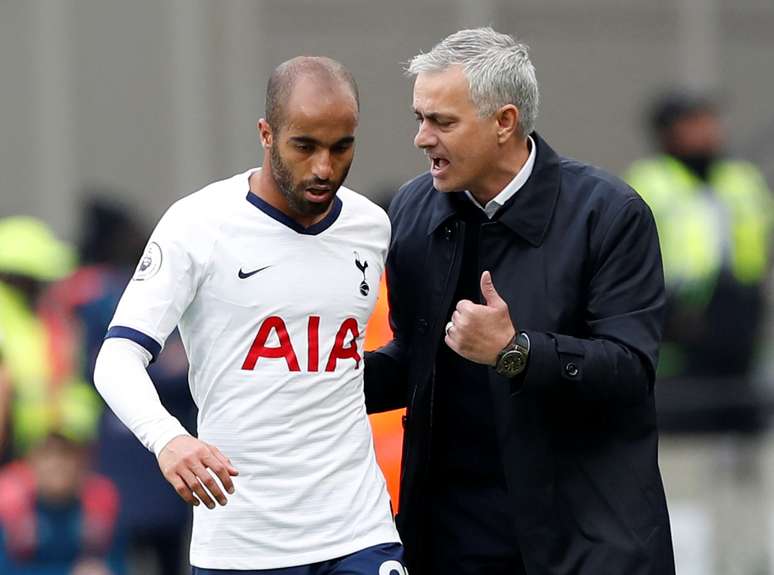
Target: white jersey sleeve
121,378
165,281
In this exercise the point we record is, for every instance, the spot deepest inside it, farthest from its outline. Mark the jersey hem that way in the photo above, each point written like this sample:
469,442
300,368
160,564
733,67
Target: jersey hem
259,562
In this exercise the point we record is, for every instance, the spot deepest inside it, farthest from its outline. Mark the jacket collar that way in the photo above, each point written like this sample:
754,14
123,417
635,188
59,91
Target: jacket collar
529,212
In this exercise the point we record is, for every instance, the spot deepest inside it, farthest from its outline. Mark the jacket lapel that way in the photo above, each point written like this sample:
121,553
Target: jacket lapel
528,214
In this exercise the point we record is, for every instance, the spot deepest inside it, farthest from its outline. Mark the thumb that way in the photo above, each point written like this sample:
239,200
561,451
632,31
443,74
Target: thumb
491,297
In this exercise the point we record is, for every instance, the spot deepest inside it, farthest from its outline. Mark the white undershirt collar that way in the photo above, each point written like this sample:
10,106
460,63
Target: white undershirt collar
491,207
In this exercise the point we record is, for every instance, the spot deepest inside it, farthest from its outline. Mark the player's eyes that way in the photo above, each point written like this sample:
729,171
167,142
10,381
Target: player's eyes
304,147
341,148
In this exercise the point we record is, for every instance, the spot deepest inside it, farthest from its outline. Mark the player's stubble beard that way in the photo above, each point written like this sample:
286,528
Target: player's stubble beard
294,193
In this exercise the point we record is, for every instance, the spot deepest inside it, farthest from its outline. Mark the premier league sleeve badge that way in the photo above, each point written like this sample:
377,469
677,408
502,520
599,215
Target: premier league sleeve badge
150,263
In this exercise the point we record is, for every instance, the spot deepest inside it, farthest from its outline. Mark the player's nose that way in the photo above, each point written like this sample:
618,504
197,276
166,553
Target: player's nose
323,167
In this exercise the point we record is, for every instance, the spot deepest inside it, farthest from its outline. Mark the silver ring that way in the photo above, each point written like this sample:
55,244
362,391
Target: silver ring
449,325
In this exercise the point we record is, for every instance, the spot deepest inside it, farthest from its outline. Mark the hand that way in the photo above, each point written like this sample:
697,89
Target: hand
480,332
90,566
185,461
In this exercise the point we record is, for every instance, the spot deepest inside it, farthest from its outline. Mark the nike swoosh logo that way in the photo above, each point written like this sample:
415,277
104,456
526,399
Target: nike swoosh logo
243,275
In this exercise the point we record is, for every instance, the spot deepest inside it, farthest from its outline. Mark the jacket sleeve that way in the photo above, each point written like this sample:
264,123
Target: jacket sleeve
386,369
385,379
615,359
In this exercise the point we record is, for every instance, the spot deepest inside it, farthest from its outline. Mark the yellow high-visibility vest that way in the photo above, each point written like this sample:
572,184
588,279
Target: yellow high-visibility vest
39,407
688,223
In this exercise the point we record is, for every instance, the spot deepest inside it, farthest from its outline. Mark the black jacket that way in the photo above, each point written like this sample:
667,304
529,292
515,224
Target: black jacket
575,255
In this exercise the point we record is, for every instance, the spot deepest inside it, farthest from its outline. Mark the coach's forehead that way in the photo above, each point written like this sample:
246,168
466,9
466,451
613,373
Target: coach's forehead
445,92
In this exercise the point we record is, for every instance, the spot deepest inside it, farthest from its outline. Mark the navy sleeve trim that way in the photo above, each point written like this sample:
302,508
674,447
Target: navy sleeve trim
150,344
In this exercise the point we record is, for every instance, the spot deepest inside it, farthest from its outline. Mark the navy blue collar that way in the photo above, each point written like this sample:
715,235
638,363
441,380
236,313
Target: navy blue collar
282,218
527,213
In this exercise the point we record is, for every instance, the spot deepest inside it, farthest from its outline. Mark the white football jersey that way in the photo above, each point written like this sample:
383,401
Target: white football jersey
272,317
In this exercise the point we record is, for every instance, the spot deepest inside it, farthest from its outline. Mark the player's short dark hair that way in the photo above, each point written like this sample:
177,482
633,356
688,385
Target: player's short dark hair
284,77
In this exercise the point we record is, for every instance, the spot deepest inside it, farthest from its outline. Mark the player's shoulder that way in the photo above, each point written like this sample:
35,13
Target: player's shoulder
358,206
195,222
214,199
206,208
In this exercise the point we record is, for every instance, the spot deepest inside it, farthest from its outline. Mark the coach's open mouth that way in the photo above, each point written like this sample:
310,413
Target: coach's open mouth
438,165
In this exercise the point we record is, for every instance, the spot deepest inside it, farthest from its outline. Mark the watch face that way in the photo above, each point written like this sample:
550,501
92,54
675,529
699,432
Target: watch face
511,363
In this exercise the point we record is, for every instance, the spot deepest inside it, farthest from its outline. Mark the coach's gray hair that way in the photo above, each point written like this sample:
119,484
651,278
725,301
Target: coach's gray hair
497,67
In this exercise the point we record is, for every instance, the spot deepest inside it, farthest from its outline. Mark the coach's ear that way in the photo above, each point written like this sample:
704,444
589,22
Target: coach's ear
507,122
264,131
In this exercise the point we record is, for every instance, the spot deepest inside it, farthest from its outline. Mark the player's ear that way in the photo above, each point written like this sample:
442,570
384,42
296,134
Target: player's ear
265,133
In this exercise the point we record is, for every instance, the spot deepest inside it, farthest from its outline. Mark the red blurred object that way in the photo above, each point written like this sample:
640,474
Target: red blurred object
387,427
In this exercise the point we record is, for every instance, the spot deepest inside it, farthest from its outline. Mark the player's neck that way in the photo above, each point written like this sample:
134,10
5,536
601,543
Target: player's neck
262,184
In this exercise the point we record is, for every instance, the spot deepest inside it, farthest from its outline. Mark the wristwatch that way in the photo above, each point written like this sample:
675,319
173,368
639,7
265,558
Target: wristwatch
512,359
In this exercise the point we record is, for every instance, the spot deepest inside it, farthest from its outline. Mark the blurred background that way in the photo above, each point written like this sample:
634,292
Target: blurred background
112,110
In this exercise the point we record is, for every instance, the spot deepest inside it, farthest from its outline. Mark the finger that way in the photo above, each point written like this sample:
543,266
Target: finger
453,345
225,460
464,304
218,467
208,481
182,489
461,324
456,318
193,484
491,297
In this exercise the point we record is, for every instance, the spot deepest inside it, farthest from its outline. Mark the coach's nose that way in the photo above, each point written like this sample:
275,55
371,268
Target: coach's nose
425,137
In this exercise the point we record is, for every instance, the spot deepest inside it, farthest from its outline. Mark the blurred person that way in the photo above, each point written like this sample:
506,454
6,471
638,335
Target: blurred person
38,354
154,520
271,276
56,518
714,215
526,298
111,240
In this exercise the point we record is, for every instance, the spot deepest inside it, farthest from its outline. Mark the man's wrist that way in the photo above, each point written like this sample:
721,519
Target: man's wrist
512,359
509,341
166,438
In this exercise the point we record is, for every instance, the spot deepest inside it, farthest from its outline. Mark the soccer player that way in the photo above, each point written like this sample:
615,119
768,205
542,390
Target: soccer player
271,276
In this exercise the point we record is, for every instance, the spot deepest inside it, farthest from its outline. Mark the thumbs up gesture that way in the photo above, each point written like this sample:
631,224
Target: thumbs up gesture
479,332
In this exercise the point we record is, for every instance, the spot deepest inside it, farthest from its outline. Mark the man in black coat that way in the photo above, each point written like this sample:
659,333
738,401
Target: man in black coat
526,298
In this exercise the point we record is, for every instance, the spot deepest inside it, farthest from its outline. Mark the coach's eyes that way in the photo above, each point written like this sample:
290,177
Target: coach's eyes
304,147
